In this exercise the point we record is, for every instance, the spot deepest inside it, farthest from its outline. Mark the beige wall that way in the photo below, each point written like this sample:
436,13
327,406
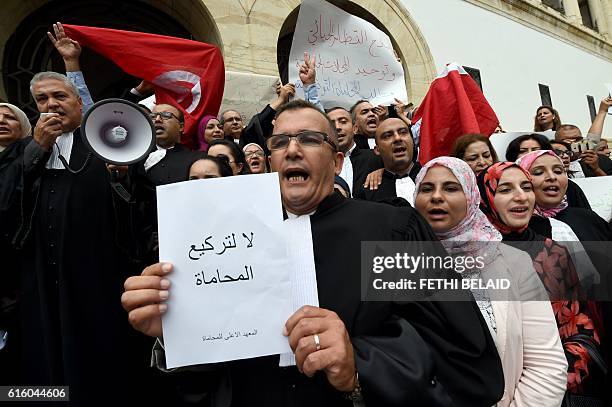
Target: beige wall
251,46
248,36
247,30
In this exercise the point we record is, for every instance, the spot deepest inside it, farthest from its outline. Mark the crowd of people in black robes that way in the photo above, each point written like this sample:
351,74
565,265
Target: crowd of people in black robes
82,290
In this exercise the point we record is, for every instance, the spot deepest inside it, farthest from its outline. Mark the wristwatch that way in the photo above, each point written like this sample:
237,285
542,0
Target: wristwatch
355,395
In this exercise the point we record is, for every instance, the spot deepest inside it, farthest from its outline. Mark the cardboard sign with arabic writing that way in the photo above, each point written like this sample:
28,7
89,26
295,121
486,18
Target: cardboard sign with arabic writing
230,285
354,59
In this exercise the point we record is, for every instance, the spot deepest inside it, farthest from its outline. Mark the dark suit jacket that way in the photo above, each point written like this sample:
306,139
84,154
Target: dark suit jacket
364,161
604,163
174,167
386,190
362,141
420,353
139,218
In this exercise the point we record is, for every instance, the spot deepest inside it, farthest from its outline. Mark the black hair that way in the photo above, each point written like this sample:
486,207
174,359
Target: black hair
353,109
224,168
237,153
514,148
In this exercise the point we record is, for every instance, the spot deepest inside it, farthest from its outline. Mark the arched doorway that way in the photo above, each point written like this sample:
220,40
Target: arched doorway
28,50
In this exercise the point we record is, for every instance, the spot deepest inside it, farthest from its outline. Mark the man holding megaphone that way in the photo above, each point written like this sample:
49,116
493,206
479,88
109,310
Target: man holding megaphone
71,266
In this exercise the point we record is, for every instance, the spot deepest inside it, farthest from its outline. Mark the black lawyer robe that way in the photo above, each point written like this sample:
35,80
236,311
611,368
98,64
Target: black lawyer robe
74,330
421,354
386,190
259,129
139,217
10,170
363,162
576,197
174,167
362,141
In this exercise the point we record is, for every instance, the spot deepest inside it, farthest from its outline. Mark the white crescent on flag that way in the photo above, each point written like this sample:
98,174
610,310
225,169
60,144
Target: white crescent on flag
173,80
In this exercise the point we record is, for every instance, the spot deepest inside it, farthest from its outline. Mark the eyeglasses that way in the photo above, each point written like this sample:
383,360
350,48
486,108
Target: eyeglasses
257,153
163,115
562,152
304,138
225,158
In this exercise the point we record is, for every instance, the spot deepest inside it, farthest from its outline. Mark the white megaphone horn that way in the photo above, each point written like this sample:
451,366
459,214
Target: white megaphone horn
118,132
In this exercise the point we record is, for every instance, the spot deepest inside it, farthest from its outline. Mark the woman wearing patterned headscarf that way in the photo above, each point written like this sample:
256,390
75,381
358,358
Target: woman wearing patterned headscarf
550,185
525,330
508,201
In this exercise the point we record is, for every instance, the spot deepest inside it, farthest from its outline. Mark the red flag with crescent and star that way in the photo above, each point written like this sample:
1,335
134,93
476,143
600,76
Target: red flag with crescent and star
187,74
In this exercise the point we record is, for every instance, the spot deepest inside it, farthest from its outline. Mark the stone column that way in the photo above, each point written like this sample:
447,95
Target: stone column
572,11
606,11
598,16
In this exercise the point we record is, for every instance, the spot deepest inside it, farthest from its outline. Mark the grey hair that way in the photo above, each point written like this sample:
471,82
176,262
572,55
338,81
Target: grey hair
222,115
55,76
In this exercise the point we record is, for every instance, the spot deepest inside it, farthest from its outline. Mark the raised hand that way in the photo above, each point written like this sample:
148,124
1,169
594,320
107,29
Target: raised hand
68,48
287,91
605,105
381,112
308,74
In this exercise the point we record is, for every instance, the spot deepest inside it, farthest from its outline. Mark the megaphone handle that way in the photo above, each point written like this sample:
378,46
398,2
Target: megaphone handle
118,187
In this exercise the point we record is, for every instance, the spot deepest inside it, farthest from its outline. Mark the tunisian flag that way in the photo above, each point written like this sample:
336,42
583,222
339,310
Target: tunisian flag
185,73
453,106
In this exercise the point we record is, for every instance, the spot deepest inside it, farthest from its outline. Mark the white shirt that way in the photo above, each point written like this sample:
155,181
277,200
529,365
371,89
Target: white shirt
303,273
347,168
404,188
63,146
154,158
576,169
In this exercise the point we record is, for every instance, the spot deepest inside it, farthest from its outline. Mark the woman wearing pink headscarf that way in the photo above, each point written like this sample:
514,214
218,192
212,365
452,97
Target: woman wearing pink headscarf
209,129
524,327
550,182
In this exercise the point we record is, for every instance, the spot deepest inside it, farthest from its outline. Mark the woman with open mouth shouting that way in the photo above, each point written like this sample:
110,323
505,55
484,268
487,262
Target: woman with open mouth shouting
550,185
508,200
255,158
525,330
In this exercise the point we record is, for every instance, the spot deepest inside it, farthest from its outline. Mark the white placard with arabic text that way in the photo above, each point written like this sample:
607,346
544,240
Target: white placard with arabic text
230,286
598,191
354,59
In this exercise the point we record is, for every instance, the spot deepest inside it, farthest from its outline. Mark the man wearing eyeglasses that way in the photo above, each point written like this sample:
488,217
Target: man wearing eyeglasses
589,164
260,125
168,163
346,350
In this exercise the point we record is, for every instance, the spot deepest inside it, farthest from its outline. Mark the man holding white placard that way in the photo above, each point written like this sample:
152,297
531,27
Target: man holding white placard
346,350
